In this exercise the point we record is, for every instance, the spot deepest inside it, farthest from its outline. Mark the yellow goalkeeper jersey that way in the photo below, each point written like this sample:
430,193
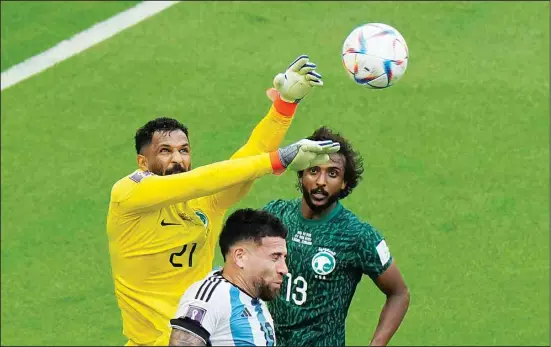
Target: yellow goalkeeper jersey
163,230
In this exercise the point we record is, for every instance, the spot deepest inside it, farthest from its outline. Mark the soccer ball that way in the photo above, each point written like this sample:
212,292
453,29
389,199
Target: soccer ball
375,55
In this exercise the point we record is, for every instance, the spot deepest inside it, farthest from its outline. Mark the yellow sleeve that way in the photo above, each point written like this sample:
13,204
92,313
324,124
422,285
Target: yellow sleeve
141,192
266,137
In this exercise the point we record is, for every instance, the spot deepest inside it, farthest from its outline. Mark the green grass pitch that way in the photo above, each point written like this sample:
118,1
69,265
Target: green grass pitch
30,27
457,153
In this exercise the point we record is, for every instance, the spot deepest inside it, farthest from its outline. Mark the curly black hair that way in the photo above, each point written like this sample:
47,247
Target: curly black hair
353,168
144,135
249,224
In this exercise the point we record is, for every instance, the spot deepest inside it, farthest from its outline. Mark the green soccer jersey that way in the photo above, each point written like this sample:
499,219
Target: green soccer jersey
326,259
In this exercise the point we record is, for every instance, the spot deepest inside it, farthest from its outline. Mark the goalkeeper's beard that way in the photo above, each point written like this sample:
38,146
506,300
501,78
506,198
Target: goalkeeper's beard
307,196
176,168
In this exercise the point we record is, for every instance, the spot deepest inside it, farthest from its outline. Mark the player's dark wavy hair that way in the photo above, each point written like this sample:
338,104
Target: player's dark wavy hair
353,168
144,135
249,224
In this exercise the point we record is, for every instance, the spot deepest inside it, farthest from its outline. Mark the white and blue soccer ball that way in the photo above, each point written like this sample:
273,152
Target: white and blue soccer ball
375,55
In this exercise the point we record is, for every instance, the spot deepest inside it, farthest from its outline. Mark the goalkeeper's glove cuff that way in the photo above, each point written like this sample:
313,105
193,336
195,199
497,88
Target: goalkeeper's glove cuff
287,109
277,165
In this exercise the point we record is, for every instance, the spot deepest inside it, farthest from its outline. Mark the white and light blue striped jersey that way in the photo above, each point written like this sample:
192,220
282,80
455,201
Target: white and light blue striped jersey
229,315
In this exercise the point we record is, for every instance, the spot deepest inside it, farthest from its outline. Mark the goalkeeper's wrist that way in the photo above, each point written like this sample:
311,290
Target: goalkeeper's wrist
287,109
277,165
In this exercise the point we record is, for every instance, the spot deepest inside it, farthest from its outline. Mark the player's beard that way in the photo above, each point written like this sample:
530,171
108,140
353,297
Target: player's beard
307,195
176,168
263,290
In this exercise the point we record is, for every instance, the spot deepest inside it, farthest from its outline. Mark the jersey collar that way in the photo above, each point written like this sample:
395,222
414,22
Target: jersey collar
338,208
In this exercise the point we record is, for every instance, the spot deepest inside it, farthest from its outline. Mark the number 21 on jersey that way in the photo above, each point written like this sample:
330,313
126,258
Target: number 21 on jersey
296,289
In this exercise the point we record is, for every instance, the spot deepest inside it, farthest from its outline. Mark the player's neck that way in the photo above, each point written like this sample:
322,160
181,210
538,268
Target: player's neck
308,213
237,280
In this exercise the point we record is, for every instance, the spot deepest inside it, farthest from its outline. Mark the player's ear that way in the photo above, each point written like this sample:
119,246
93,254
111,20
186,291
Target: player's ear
142,162
239,256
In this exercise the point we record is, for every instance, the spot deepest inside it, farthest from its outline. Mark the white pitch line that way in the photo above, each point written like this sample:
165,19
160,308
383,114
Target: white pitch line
85,39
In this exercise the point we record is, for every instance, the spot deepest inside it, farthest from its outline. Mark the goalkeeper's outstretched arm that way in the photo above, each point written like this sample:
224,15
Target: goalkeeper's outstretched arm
154,192
291,87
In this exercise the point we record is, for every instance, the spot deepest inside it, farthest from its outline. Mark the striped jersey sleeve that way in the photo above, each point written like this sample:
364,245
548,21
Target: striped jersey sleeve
221,314
198,313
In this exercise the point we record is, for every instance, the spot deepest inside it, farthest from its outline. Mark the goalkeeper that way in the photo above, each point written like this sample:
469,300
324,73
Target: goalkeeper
164,218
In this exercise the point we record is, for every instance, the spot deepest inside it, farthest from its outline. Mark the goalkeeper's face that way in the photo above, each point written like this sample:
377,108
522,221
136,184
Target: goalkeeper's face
266,267
321,185
169,153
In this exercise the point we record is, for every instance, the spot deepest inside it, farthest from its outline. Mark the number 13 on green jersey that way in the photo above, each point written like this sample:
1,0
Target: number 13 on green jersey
326,260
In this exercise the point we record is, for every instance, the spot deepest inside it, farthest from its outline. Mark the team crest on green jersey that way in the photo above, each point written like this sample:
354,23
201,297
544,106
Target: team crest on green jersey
323,263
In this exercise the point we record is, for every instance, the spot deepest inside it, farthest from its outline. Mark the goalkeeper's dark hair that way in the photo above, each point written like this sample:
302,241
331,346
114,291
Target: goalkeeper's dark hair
144,135
249,225
353,167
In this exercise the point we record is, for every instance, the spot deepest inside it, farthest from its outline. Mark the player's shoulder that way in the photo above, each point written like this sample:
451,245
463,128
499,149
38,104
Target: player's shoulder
280,205
206,297
350,221
126,184
211,289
